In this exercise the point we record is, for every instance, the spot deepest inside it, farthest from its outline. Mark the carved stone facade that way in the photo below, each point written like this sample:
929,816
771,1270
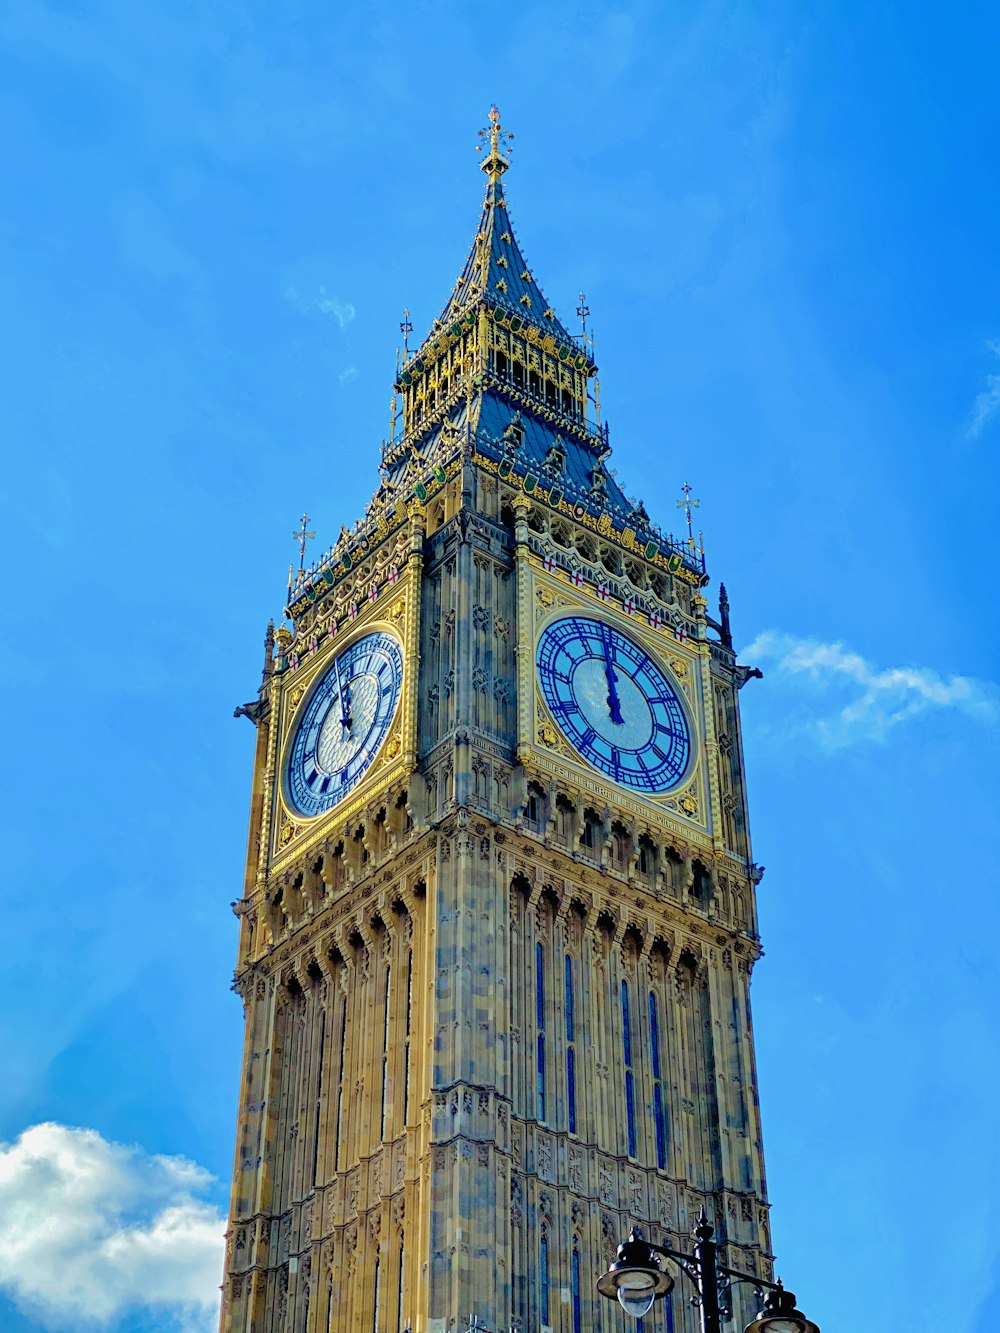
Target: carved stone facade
497,1008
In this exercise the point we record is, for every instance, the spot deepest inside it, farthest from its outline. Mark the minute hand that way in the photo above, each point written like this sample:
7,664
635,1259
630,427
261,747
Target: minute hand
614,704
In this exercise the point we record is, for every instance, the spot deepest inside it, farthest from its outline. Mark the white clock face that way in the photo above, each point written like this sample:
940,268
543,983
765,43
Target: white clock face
343,724
614,703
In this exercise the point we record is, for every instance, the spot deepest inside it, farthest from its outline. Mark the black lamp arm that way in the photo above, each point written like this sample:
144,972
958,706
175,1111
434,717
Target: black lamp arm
690,1264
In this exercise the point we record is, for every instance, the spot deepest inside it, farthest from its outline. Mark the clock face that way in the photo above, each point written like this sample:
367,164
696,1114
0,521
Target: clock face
614,704
343,723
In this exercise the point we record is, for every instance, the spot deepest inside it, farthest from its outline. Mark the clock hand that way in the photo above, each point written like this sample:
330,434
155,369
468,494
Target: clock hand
614,703
345,699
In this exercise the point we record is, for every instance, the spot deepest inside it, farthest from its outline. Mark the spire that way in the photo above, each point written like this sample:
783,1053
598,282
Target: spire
496,271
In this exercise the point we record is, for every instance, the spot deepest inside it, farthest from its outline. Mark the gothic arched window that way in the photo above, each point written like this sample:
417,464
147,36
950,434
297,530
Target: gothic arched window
385,1048
540,1026
575,1289
629,1079
543,1276
406,1043
570,1048
659,1121
340,1083
318,1105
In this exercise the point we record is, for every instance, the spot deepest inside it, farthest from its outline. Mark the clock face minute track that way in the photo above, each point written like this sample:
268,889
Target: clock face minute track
344,721
614,703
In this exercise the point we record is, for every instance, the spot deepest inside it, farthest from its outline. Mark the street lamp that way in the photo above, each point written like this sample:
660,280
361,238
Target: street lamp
637,1278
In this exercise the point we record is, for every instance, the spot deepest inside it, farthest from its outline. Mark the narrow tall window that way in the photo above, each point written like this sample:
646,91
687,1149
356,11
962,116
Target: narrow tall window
570,1048
540,1025
668,1310
319,1096
629,1080
399,1294
406,1043
659,1124
575,1279
543,1277
385,1049
378,1293
340,1081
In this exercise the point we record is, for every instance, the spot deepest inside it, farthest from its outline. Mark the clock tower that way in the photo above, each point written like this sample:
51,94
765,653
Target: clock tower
498,921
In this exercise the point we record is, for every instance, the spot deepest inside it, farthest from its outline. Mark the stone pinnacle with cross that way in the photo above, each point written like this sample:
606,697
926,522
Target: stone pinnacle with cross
687,504
302,536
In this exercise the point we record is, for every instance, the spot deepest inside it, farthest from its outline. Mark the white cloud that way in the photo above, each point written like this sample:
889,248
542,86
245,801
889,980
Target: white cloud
987,403
91,1229
349,375
865,702
323,302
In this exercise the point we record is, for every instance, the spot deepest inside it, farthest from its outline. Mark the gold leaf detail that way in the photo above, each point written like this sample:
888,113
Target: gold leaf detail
545,597
548,736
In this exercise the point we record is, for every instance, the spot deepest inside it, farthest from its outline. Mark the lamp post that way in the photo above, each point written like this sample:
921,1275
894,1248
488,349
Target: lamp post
637,1278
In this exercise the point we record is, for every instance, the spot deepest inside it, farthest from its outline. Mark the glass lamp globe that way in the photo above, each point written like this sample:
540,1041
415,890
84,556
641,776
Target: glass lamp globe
635,1277
779,1315
636,1293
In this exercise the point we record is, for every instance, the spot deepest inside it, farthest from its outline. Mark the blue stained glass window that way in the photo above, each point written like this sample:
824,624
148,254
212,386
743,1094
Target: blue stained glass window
571,1088
570,1050
539,987
668,1310
543,1277
630,1111
659,1119
540,1023
629,1082
661,1138
540,1076
575,1279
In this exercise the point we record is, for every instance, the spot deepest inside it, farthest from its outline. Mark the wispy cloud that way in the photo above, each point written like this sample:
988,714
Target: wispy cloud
987,403
90,1229
852,700
321,301
349,375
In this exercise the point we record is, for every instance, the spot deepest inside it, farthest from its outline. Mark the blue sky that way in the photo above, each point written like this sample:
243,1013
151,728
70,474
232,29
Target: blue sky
785,221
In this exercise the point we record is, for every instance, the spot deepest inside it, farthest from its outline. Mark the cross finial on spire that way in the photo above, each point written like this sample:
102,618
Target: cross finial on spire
303,536
583,310
406,328
496,162
687,504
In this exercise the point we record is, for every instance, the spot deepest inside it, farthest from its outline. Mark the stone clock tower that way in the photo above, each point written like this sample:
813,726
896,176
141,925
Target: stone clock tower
498,922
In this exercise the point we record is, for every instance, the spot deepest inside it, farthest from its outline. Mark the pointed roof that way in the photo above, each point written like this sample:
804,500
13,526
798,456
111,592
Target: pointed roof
495,269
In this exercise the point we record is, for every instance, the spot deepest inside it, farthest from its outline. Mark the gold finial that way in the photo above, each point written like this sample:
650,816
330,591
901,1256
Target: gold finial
496,162
687,504
303,536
